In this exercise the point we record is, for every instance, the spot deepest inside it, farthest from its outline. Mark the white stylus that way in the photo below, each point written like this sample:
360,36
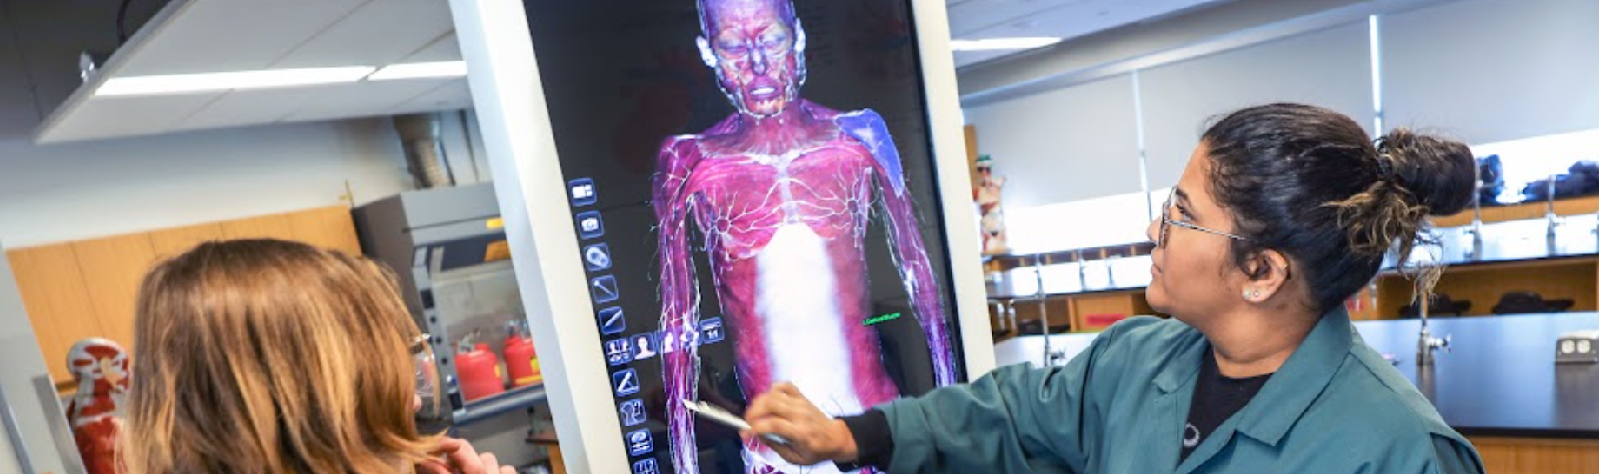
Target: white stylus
717,414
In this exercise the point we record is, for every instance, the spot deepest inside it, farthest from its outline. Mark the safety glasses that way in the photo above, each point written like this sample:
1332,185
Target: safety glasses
1168,222
427,374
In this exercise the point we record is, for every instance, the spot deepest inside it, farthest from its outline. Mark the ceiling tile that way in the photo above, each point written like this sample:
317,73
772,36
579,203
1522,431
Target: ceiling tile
443,49
972,15
106,117
210,36
362,99
378,33
240,108
451,96
965,58
1073,19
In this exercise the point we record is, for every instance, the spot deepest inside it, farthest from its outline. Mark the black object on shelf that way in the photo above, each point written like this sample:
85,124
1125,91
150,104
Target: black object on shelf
1439,304
1519,302
1033,327
514,399
1581,179
1491,179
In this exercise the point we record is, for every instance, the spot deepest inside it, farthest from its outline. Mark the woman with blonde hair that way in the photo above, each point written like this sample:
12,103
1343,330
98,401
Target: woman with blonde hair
267,356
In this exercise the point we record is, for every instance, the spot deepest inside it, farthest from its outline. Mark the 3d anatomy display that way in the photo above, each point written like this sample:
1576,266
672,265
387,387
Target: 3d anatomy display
783,191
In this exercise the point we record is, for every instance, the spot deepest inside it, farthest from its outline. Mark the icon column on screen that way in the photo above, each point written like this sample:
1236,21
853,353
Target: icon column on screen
597,257
590,225
581,192
612,321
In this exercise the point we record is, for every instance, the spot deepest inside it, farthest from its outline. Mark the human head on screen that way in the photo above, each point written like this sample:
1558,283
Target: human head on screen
757,48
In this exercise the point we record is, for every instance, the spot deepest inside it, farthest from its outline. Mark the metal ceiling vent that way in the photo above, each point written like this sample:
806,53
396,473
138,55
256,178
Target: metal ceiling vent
424,149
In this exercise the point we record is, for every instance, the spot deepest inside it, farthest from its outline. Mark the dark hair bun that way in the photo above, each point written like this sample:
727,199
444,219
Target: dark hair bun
1439,173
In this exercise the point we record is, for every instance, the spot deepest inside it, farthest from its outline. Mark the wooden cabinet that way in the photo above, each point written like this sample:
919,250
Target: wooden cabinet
1080,312
275,226
971,134
329,227
89,288
171,242
112,268
53,291
1095,312
1536,455
1531,210
1571,278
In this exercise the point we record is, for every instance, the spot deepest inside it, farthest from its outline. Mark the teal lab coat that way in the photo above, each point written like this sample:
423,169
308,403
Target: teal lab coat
1335,406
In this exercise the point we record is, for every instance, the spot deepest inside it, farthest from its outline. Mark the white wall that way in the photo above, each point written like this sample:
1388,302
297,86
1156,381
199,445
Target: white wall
1073,143
81,190
1479,70
1328,68
1487,71
1203,31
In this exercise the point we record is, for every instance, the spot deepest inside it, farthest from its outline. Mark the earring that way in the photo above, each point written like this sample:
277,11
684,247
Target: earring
1252,295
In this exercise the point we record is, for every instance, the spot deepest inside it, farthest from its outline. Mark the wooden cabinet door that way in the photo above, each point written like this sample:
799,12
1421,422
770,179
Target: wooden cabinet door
53,289
275,226
112,270
328,227
174,241
78,290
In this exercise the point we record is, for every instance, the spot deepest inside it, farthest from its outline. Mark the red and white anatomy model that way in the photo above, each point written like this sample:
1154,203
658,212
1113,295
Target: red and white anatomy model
101,368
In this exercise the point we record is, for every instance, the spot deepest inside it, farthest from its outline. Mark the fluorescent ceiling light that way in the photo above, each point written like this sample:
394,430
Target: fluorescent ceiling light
221,81
420,70
998,44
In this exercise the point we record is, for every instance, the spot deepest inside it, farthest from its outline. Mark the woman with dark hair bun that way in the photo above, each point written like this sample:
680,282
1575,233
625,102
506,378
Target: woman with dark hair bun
1283,212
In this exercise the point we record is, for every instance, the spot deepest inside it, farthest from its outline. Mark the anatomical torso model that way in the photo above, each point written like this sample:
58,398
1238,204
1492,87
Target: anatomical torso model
101,369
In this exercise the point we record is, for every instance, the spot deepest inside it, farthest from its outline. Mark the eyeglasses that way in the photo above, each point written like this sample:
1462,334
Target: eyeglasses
426,373
1167,222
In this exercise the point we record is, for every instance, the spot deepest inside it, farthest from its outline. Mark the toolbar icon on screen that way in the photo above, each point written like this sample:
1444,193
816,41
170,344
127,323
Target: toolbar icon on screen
645,345
597,257
604,289
589,225
612,321
639,443
625,382
711,331
618,352
646,466
632,412
581,191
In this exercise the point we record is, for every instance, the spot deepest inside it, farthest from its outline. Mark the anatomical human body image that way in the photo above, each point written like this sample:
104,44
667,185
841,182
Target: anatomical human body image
783,192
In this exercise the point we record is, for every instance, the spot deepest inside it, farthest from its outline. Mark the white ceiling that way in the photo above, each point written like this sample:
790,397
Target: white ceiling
984,19
194,36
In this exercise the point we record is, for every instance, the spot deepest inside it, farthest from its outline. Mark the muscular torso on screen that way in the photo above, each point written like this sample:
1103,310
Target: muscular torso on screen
785,226
784,218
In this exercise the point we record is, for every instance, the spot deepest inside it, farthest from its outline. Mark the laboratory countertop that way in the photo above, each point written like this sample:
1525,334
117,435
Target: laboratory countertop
1498,379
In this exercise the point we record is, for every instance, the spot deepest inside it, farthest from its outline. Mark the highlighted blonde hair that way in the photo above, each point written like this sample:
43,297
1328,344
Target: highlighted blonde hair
267,356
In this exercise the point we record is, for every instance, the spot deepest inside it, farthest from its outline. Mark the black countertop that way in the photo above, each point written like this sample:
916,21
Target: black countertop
1500,377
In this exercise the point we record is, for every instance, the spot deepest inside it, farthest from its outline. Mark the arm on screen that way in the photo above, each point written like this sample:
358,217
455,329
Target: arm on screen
679,295
905,239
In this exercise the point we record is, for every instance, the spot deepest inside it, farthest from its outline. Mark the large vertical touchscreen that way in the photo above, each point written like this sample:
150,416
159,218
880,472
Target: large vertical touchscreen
753,191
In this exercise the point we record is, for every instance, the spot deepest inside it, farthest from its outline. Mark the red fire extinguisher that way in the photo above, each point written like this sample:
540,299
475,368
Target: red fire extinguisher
521,360
478,370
